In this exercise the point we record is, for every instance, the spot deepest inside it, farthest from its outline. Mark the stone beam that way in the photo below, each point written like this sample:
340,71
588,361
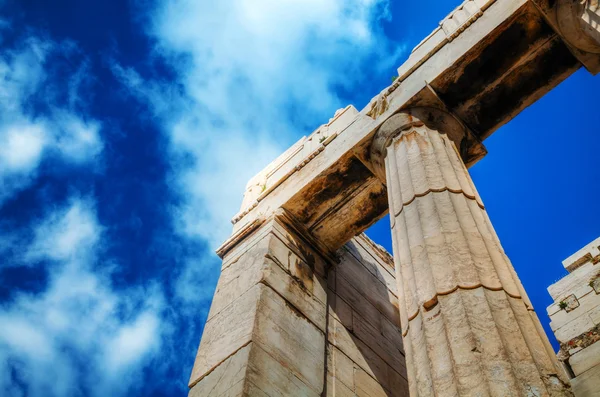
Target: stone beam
486,62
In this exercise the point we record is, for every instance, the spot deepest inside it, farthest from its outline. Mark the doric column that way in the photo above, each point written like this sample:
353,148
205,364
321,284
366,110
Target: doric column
468,328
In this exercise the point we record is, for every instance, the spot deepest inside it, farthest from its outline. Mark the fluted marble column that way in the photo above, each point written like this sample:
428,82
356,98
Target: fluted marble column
468,328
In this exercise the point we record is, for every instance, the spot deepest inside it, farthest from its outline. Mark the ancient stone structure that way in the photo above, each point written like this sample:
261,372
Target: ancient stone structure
575,318
304,307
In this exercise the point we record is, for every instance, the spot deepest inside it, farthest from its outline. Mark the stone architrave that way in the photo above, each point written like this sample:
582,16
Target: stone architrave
468,328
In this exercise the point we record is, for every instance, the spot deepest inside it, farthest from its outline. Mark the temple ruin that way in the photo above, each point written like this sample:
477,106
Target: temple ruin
307,306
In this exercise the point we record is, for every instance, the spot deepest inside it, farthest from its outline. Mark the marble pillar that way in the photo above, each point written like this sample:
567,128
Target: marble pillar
265,332
468,327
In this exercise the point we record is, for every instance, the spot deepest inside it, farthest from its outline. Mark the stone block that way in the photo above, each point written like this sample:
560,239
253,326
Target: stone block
225,380
341,311
367,386
248,243
232,285
346,291
280,315
398,385
595,315
595,284
383,347
379,264
290,247
588,383
587,305
287,336
226,332
352,347
251,372
295,292
369,287
553,309
568,284
585,359
363,356
331,280
582,290
573,328
588,302
559,319
393,333
590,250
340,366
251,389
575,350
275,378
364,342
335,388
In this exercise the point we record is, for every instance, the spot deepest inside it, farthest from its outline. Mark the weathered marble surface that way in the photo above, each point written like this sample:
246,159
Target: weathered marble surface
270,310
285,322
365,351
488,60
575,318
588,383
468,327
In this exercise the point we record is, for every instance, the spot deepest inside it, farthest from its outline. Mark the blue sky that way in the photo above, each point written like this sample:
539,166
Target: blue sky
128,130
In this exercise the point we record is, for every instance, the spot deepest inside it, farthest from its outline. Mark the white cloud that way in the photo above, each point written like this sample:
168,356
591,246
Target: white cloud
24,339
132,342
77,140
67,234
80,336
254,75
23,146
27,136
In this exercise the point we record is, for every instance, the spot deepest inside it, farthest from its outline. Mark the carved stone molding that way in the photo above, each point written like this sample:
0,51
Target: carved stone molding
579,22
461,18
470,149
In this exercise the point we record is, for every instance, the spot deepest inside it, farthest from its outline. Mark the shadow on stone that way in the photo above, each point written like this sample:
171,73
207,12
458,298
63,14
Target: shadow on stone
365,355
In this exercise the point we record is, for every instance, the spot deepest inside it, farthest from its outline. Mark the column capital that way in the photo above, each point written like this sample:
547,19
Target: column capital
469,147
578,21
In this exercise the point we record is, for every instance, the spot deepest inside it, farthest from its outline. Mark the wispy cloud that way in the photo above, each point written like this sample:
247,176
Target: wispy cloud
66,235
253,76
247,78
33,124
81,336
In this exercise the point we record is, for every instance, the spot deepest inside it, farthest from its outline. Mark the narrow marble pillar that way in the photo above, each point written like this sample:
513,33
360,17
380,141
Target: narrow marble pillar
468,327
